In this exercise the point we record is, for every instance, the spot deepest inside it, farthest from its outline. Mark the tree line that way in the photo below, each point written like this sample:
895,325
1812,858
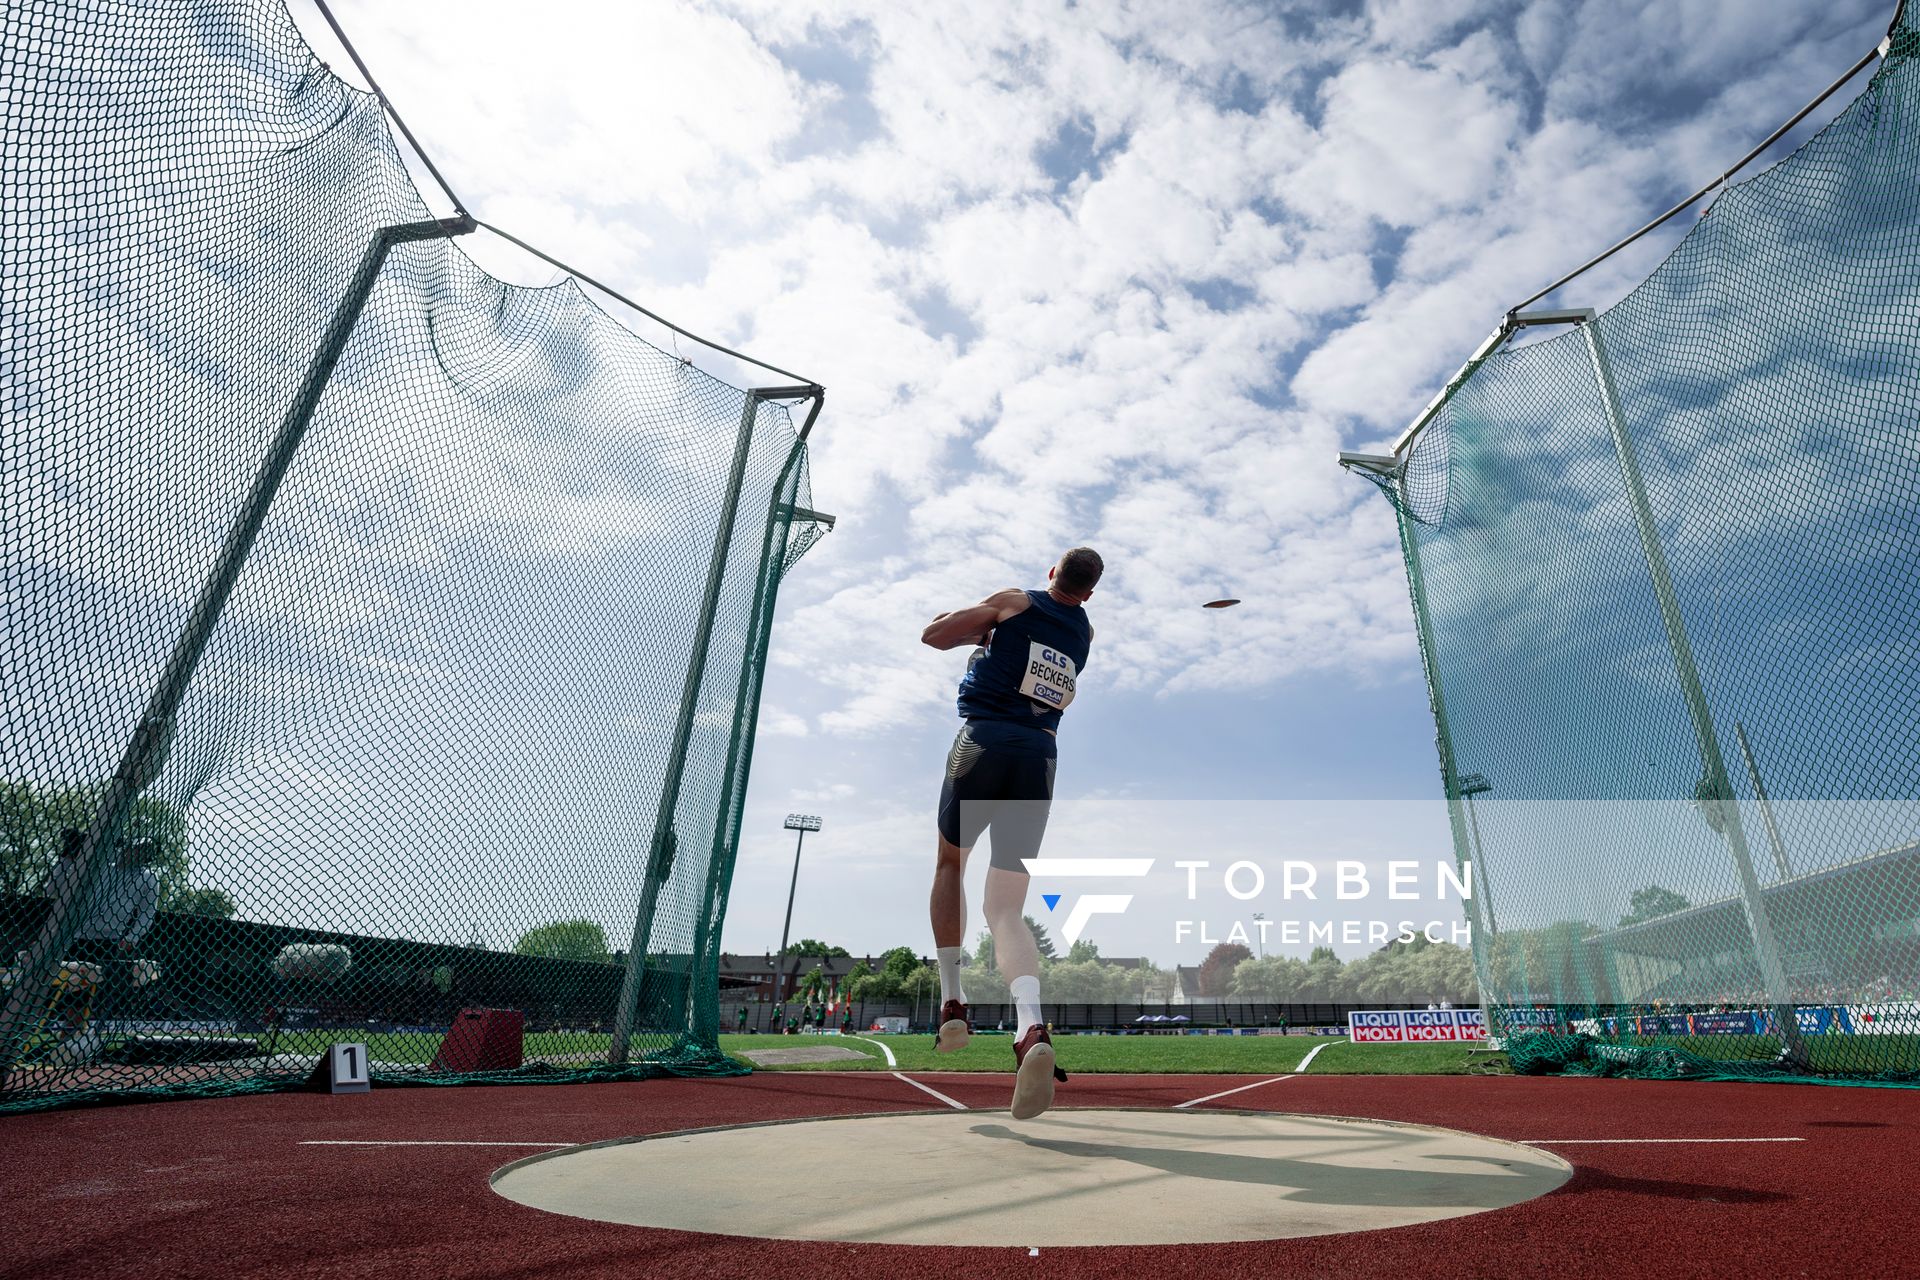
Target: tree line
1414,972
33,817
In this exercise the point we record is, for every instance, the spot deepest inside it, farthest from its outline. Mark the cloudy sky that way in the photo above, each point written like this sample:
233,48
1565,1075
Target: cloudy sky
1121,274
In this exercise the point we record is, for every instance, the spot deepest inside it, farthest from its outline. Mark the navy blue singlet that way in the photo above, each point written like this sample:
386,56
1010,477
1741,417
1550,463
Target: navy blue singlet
1028,672
1001,767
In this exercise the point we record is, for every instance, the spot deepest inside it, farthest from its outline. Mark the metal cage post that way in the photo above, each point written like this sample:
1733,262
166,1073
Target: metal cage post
1759,926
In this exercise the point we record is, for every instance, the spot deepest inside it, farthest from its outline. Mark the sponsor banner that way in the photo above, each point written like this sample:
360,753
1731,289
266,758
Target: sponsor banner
1822,1022
1526,1022
1747,1022
1415,1026
1723,1024
1895,1018
1661,1024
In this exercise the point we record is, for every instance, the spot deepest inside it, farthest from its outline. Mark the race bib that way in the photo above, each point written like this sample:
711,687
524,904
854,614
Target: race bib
1049,677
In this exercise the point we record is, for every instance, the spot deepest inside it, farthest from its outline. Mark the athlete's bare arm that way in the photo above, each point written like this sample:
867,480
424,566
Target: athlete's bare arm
975,623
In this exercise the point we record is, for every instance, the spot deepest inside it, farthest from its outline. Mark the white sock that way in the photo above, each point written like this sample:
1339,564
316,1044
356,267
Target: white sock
1026,1001
950,975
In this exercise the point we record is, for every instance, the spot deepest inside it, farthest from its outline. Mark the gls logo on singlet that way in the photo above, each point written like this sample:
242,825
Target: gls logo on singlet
1049,677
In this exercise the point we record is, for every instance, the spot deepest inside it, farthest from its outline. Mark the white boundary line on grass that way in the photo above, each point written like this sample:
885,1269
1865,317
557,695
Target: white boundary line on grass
1311,1055
876,1044
892,1062
1314,1053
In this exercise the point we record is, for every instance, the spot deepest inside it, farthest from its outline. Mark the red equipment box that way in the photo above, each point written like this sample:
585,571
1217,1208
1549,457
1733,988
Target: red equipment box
482,1040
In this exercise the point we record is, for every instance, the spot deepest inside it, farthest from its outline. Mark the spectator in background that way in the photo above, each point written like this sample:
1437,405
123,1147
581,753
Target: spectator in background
115,914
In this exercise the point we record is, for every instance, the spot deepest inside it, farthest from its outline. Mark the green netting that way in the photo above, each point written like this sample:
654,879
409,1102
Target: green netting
476,719
1666,567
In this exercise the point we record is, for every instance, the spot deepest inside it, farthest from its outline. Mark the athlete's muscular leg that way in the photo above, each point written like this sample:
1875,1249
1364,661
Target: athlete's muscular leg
1013,951
948,905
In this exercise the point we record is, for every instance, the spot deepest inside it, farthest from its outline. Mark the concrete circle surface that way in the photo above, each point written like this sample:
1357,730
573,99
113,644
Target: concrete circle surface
1091,1177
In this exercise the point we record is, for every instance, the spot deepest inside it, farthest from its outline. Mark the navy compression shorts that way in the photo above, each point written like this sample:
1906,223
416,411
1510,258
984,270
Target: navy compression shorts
999,778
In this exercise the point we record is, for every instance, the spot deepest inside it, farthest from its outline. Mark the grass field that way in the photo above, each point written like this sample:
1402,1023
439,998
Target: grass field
1172,1055
1144,1054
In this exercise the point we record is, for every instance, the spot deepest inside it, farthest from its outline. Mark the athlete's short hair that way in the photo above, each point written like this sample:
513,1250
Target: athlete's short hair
1079,571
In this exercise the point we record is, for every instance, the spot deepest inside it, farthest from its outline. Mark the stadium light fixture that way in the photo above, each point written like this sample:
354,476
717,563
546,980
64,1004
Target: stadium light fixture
802,823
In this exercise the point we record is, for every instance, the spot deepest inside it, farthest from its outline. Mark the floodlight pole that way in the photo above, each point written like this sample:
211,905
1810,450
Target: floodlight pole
146,752
802,823
1759,926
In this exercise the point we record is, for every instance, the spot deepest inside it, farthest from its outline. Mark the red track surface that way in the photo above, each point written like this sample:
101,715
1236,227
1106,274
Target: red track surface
223,1186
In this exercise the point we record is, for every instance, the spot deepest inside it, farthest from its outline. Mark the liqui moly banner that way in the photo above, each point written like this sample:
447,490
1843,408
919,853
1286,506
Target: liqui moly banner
1523,1022
1415,1026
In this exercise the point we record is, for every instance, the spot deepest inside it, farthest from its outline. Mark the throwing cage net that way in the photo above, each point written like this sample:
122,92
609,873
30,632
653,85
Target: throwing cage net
1666,570
383,641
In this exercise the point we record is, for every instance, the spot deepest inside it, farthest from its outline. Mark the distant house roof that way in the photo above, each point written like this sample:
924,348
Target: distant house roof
761,966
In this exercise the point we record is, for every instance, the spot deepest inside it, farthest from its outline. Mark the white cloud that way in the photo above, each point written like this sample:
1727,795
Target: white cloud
1402,143
822,795
1276,237
780,723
